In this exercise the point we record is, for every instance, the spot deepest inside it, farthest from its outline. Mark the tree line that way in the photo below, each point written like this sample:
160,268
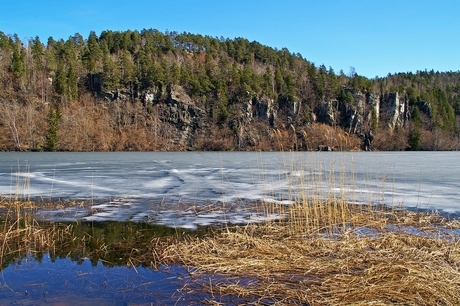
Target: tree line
50,93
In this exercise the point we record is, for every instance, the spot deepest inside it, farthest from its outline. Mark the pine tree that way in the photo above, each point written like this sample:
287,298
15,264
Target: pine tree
54,118
92,57
414,133
72,83
61,79
17,64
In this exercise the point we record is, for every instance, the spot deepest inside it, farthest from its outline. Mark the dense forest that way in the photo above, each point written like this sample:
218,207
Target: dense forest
148,90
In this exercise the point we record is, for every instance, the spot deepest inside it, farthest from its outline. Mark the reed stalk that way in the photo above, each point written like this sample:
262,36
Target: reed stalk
327,251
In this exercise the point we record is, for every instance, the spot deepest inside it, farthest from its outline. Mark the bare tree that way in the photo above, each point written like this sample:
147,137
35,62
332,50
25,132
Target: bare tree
9,115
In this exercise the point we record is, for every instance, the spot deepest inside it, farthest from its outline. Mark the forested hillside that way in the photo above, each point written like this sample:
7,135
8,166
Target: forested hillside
150,90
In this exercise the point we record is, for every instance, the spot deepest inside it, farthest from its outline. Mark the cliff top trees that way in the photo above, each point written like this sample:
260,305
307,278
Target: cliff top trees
151,57
18,62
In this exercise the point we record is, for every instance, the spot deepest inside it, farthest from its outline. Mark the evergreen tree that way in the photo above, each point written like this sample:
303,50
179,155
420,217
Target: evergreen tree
38,50
72,83
127,68
110,71
92,56
175,73
5,42
18,64
61,79
414,133
54,117
279,81
268,85
290,87
375,120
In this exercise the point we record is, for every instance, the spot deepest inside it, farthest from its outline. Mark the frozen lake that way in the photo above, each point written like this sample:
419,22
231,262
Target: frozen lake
178,189
158,191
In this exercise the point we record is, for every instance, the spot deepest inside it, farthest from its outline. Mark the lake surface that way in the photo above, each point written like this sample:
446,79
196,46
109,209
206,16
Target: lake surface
130,196
189,189
63,281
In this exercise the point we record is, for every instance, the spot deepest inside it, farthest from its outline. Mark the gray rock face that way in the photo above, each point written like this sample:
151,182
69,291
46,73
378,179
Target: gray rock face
288,109
177,94
394,110
179,111
353,113
182,112
149,97
327,112
187,117
425,108
358,115
264,109
373,101
260,109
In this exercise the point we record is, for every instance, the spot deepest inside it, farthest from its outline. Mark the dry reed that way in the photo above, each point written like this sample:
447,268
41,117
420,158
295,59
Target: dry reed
361,256
326,251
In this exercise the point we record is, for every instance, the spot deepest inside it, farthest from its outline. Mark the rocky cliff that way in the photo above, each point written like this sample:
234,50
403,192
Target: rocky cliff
258,119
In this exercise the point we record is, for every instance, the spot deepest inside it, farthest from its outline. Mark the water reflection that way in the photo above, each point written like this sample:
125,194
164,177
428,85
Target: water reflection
108,263
66,282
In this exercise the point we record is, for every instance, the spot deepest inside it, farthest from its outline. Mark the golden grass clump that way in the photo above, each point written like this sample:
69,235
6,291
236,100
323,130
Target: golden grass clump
22,234
397,257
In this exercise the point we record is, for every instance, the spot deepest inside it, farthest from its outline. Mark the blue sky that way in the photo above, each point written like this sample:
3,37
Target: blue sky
375,37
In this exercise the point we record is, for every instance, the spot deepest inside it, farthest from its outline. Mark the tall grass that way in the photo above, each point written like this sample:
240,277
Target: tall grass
21,233
322,201
327,251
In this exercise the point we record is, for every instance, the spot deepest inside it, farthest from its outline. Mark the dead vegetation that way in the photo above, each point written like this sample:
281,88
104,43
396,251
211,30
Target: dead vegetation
372,257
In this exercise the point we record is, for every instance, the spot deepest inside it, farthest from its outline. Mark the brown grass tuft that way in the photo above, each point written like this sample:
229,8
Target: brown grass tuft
351,262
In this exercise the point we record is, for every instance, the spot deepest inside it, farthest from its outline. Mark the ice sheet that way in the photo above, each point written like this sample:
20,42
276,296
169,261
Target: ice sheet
176,188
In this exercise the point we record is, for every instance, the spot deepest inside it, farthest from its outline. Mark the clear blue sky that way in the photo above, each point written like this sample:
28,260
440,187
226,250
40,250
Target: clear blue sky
376,37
